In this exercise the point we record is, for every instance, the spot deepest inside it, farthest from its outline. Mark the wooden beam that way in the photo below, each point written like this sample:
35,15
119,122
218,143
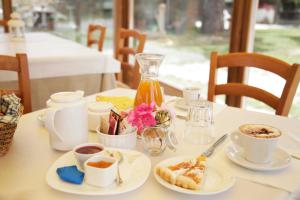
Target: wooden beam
241,40
122,10
7,10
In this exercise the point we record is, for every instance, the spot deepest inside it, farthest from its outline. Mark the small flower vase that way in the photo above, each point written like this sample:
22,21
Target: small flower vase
155,138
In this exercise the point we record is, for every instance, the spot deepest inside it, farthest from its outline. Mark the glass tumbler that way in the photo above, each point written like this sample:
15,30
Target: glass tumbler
191,94
199,127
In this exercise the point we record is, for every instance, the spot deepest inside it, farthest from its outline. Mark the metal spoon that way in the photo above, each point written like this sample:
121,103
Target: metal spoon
120,160
119,156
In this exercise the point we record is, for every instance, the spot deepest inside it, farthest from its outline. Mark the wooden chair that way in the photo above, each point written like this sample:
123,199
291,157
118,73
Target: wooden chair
100,41
129,71
4,24
291,73
18,64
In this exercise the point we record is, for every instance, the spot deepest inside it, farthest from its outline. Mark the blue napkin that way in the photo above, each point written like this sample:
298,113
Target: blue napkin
70,174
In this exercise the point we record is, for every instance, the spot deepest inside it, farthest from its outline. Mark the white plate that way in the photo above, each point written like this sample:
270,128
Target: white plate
181,104
216,180
281,159
140,168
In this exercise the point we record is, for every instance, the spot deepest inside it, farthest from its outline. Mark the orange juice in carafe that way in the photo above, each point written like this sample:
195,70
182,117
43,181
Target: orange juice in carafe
148,91
149,88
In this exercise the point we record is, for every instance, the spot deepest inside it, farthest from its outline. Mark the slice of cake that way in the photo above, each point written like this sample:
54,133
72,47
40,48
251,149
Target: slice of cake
170,173
192,179
188,174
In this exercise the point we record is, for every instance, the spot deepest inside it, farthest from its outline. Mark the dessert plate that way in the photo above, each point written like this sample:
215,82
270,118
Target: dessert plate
216,180
281,159
140,166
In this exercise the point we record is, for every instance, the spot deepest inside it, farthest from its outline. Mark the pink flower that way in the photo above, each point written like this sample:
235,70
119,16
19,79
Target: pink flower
145,108
142,116
148,119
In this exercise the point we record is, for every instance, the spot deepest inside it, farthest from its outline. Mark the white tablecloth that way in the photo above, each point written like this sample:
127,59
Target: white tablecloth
52,56
23,169
56,65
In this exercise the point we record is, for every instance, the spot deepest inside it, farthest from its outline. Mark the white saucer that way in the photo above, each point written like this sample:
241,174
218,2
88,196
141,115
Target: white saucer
281,160
181,104
216,181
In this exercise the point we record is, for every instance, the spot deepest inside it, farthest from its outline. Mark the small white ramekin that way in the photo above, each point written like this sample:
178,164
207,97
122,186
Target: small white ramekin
81,158
125,141
100,177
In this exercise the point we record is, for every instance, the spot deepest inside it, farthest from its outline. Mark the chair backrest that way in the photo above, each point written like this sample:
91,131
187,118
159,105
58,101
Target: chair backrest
291,73
93,28
19,64
4,24
129,71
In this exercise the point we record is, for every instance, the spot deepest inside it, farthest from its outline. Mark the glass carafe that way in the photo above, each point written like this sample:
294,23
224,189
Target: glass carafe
149,88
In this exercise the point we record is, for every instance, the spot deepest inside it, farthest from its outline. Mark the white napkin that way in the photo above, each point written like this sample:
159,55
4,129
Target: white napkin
287,179
125,170
129,160
291,144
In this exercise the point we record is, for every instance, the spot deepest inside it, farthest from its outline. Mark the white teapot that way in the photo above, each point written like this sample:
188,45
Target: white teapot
66,120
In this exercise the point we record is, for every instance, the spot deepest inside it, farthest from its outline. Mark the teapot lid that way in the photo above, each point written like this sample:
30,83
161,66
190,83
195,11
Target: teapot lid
100,107
67,97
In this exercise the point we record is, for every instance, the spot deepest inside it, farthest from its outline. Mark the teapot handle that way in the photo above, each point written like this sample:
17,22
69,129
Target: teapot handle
49,122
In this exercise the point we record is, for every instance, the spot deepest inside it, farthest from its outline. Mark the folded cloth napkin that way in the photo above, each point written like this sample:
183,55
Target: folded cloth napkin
10,104
120,102
290,143
70,174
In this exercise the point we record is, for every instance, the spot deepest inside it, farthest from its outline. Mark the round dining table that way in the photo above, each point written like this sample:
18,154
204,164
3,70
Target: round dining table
23,169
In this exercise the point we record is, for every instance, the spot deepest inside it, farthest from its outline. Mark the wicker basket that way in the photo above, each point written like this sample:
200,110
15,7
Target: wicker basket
6,135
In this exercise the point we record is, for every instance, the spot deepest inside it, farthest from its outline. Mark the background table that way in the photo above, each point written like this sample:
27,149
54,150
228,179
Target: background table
23,169
57,64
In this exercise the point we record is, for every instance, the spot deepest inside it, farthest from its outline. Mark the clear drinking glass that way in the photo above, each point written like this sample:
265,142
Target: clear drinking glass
199,127
191,94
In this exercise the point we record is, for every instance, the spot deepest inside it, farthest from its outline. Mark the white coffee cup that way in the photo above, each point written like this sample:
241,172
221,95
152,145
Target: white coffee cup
257,148
100,177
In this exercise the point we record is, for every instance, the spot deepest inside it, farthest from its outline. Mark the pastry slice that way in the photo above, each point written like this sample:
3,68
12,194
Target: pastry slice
192,179
188,174
170,173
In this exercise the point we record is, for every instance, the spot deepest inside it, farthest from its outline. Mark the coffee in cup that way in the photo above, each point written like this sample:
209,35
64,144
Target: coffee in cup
257,141
260,131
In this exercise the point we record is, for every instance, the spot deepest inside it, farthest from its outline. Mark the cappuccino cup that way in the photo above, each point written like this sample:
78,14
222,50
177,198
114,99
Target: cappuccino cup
257,141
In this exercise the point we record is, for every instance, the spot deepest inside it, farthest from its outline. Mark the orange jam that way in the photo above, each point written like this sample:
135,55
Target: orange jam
100,164
148,91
